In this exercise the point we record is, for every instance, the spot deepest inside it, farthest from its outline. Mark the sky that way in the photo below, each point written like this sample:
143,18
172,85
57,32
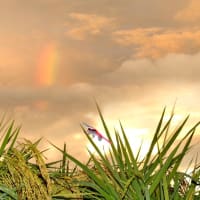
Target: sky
133,56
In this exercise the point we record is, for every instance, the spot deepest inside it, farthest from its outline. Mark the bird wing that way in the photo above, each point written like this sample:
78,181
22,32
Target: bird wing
93,131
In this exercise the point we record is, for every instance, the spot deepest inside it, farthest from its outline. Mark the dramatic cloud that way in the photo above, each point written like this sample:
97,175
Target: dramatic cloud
157,42
85,25
131,14
169,68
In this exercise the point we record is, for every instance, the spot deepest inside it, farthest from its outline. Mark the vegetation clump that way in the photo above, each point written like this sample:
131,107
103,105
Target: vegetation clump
119,174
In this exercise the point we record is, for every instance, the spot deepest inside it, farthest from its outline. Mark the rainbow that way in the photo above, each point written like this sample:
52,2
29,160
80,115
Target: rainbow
46,69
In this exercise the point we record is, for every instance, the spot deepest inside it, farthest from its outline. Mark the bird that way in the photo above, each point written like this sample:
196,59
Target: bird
94,132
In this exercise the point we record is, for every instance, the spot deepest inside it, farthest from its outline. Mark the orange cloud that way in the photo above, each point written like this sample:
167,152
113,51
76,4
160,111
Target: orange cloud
86,24
158,42
190,13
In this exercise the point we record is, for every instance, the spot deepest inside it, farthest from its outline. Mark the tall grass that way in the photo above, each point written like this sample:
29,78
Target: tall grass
24,173
120,174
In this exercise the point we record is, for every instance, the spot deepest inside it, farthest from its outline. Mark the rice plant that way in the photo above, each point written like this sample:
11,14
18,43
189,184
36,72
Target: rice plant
24,174
121,175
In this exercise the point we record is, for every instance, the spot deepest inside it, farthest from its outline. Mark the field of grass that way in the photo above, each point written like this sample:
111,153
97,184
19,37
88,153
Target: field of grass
118,175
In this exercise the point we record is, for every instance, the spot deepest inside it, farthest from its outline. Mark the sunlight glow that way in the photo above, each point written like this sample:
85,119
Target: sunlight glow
102,145
176,118
136,137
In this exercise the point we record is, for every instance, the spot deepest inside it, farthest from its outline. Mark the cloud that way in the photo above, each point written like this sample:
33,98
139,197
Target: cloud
179,68
143,83
52,113
190,13
129,92
127,13
83,25
136,75
158,42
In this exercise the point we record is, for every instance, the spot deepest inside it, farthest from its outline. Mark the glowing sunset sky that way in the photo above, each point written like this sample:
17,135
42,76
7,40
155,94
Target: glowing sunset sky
133,56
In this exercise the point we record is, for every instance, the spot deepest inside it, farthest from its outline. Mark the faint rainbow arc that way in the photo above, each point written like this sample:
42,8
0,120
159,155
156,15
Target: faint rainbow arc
47,66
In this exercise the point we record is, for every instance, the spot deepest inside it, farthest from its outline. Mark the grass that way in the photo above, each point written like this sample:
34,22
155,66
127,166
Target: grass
119,175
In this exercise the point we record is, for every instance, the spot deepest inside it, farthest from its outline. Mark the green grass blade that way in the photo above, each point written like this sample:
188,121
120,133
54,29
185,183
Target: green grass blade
88,171
14,138
162,171
6,138
129,150
63,168
166,149
154,140
9,192
107,164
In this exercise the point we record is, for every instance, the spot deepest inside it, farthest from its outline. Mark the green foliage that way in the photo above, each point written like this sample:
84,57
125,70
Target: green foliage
120,174
25,175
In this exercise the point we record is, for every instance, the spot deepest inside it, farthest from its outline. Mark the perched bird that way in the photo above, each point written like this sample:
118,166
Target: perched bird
94,132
